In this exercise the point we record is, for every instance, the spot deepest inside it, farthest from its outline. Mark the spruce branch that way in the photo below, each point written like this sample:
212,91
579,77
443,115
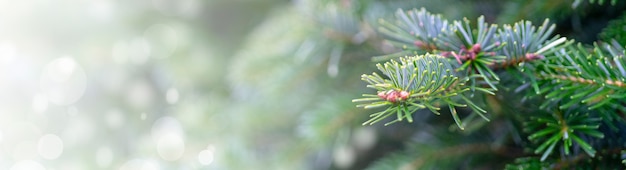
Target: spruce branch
474,49
563,129
415,30
477,51
578,76
525,42
417,82
480,51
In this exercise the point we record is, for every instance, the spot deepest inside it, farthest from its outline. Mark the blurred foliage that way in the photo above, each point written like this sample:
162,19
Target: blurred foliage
615,30
243,84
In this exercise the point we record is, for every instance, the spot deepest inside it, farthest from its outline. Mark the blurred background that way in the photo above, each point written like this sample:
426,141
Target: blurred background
193,84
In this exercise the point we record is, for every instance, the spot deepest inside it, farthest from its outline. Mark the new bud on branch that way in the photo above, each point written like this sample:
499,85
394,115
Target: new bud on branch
393,95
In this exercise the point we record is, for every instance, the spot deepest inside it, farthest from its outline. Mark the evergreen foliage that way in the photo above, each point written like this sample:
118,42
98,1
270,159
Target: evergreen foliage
507,87
615,30
450,60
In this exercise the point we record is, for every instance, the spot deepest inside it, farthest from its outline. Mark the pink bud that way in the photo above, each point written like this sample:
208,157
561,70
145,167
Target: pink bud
392,97
389,92
476,48
533,56
419,44
445,54
404,95
471,56
382,95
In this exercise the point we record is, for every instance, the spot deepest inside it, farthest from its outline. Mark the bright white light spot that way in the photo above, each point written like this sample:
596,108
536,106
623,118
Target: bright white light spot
166,126
205,157
140,164
63,81
66,67
162,40
150,165
169,135
171,147
172,96
27,165
114,118
50,146
104,157
344,156
40,103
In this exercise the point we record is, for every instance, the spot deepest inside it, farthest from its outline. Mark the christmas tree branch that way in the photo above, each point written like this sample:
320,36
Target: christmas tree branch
595,79
558,128
418,82
479,51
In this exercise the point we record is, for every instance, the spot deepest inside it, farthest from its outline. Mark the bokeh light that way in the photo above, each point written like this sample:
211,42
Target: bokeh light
27,165
63,81
152,85
50,146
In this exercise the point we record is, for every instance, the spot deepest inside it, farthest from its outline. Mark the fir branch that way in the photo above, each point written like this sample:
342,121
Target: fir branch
474,49
479,51
581,80
574,76
418,82
415,30
524,42
563,129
